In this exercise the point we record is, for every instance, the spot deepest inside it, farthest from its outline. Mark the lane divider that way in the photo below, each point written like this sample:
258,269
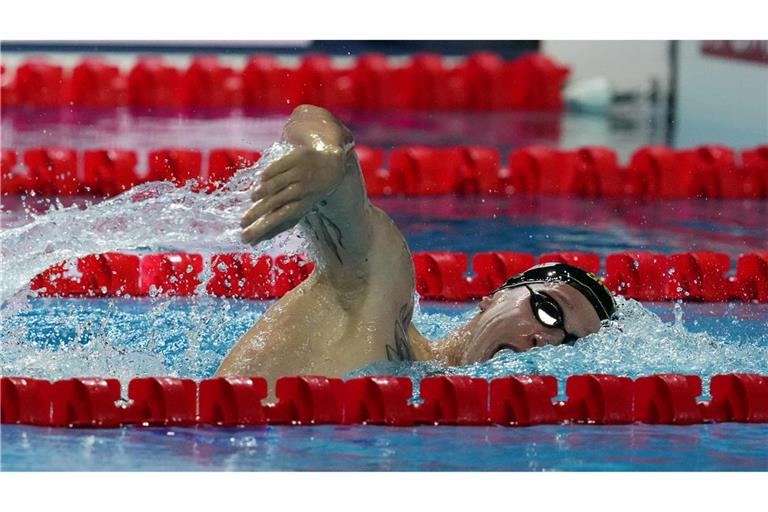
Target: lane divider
693,276
52,171
653,172
482,81
518,400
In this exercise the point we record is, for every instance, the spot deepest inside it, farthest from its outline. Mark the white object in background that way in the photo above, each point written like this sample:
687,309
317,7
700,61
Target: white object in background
591,95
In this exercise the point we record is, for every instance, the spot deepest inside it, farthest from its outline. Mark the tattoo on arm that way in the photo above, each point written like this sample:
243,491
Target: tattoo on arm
328,231
401,351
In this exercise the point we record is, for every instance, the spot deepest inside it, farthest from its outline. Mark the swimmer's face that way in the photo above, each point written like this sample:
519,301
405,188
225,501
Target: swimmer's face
507,320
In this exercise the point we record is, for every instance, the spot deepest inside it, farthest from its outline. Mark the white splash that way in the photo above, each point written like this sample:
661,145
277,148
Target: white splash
155,216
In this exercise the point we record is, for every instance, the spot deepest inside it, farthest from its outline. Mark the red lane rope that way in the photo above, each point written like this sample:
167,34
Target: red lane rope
691,276
482,81
653,172
518,400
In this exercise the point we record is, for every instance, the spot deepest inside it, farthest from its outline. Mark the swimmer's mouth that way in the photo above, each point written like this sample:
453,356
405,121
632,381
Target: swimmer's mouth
504,347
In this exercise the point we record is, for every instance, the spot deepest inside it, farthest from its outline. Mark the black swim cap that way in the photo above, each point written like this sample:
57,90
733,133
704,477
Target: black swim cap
588,284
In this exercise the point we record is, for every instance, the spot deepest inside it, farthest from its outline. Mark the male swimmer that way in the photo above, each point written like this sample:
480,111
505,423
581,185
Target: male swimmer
356,306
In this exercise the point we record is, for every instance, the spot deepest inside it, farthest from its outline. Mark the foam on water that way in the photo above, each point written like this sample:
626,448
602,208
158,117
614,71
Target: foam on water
153,216
126,338
638,342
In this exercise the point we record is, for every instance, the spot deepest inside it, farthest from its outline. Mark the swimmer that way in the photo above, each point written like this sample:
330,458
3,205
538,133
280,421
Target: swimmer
356,306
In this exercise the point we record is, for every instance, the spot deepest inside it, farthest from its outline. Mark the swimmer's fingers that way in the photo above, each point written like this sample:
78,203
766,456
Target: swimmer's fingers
281,165
275,184
272,224
280,228
266,205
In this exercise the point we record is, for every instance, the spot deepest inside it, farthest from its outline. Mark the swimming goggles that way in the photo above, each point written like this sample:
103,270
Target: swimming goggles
549,313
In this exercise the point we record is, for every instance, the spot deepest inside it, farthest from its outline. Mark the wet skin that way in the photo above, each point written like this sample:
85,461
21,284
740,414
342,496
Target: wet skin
507,321
356,306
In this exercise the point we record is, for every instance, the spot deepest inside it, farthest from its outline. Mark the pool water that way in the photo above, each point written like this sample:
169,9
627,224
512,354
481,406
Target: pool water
188,337
126,338
721,447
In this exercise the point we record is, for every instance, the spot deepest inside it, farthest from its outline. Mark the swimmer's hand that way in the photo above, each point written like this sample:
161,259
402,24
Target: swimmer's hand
297,183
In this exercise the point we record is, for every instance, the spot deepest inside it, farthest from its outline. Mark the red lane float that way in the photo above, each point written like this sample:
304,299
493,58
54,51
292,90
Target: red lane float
697,276
637,275
86,402
425,81
668,399
519,400
536,82
223,163
705,170
738,397
8,95
308,400
587,172
98,84
751,281
57,171
321,83
453,400
209,84
39,83
97,275
378,401
175,165
109,171
266,84
755,177
13,179
170,274
485,82
523,400
375,81
241,275
584,260
290,271
161,401
418,171
377,179
598,399
53,171
591,172
440,275
229,401
492,269
152,83
426,171
25,401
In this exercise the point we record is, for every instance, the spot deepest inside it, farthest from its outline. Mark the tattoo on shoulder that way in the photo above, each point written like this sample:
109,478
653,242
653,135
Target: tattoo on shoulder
401,351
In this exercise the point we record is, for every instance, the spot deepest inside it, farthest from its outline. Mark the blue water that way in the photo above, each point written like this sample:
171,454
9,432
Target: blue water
544,224
126,338
184,337
58,338
721,447
53,339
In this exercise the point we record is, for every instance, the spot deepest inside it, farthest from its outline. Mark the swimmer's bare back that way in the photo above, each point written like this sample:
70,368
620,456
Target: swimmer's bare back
356,306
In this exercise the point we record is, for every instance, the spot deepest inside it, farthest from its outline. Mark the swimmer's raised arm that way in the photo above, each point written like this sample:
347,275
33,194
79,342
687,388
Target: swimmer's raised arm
319,183
356,306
